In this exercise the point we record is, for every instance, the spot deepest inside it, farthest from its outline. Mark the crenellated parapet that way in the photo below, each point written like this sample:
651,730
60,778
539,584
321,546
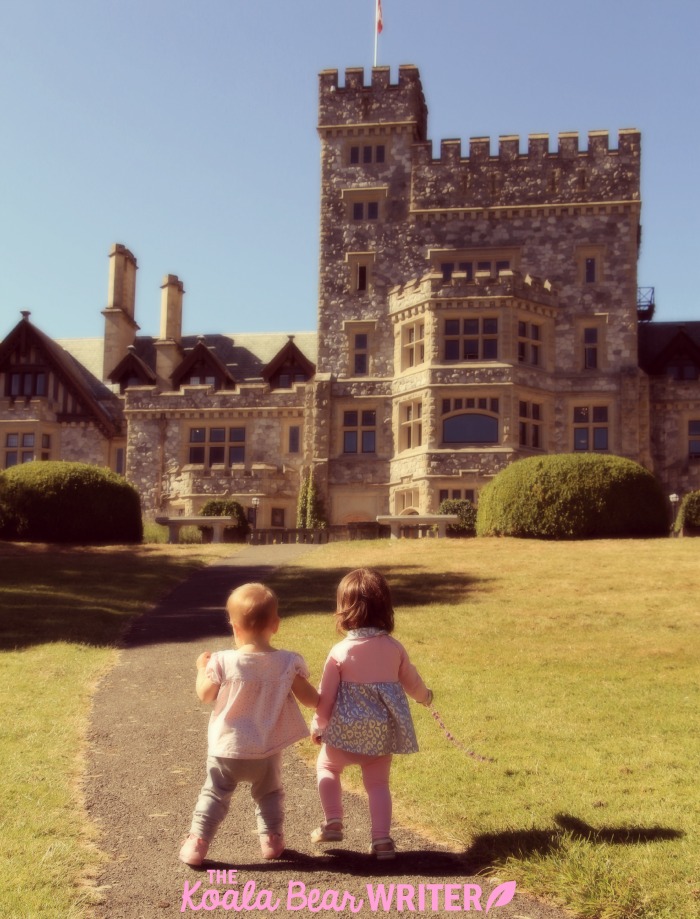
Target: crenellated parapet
540,176
432,287
379,102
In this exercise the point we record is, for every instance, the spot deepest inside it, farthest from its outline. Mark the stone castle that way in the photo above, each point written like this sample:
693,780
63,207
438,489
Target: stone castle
474,309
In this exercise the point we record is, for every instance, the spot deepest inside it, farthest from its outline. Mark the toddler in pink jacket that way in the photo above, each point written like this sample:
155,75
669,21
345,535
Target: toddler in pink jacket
363,717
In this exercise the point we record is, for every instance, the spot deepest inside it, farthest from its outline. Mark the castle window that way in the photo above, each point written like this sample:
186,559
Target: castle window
294,439
277,516
407,499
360,271
529,337
28,383
413,347
590,264
694,439
361,354
470,428
681,369
216,446
365,210
530,425
456,494
367,153
471,339
590,428
19,448
359,431
590,348
411,424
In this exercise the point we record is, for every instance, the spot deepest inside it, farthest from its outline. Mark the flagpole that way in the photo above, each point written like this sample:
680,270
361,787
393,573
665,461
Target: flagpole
378,25
376,29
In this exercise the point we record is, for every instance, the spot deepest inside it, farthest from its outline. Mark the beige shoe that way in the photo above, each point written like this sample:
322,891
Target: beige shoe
329,832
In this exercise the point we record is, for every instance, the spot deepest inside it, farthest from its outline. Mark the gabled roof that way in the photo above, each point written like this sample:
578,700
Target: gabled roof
289,355
97,399
660,343
202,353
133,366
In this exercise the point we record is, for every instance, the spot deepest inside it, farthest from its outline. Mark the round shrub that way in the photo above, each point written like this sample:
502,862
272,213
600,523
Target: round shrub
225,507
688,518
467,516
71,503
573,496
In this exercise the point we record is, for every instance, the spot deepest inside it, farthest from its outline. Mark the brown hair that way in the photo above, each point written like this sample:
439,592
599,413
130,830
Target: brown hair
252,607
364,601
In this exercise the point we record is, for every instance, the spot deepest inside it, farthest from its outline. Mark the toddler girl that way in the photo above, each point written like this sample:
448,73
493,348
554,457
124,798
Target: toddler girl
363,717
254,719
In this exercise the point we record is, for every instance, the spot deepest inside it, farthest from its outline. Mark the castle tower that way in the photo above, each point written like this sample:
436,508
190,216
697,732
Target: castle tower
367,132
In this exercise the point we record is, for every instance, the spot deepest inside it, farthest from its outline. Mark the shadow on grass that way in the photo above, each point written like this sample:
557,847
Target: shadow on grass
617,836
90,598
487,852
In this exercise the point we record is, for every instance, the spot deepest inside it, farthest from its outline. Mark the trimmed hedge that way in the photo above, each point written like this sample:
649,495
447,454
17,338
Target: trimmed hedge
573,496
467,516
70,503
689,513
226,507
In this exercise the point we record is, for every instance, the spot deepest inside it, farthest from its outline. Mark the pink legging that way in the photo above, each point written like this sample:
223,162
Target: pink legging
375,777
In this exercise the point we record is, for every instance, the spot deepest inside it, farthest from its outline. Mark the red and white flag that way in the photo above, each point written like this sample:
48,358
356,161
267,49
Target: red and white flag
380,23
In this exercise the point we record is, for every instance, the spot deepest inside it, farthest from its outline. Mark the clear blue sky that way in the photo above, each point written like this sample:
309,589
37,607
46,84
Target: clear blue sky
186,129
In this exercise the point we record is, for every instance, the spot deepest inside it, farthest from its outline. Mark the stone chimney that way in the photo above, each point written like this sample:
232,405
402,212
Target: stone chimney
120,325
168,345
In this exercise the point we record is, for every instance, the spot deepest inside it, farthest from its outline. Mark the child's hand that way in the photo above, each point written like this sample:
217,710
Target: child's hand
203,660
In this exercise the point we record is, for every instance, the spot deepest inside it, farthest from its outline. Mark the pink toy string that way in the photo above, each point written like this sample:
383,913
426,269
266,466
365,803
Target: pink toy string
453,740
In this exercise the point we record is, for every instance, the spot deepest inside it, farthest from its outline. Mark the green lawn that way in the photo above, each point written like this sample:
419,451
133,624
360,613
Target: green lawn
62,613
572,665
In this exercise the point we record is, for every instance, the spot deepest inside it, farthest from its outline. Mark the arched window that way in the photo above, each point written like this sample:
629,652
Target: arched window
470,428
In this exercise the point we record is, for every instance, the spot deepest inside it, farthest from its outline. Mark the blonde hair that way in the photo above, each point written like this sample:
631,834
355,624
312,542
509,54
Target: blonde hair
364,601
252,607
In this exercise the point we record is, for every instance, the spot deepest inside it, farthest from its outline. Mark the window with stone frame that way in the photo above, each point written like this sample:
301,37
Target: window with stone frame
293,439
407,498
591,428
694,438
366,154
359,431
360,354
410,424
530,425
457,494
530,343
412,344
470,420
277,517
216,446
470,338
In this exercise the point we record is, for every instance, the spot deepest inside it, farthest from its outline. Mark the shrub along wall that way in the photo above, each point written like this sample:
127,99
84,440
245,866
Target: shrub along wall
226,507
688,519
69,502
573,496
466,512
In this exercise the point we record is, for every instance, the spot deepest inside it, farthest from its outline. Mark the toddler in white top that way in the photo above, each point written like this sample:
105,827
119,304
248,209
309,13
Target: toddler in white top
254,718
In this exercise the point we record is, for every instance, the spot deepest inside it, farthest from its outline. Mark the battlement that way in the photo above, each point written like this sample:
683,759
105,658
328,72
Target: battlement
379,102
566,175
508,284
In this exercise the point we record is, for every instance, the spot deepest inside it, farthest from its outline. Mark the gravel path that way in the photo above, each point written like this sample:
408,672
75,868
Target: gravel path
145,766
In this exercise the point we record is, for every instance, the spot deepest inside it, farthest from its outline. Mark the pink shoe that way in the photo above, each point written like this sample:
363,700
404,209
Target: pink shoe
193,851
272,845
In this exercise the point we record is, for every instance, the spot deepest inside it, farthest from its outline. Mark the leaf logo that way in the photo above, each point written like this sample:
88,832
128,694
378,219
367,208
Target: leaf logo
501,895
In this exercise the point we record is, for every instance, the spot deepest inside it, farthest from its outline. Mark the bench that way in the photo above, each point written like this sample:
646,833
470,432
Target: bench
415,521
217,525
